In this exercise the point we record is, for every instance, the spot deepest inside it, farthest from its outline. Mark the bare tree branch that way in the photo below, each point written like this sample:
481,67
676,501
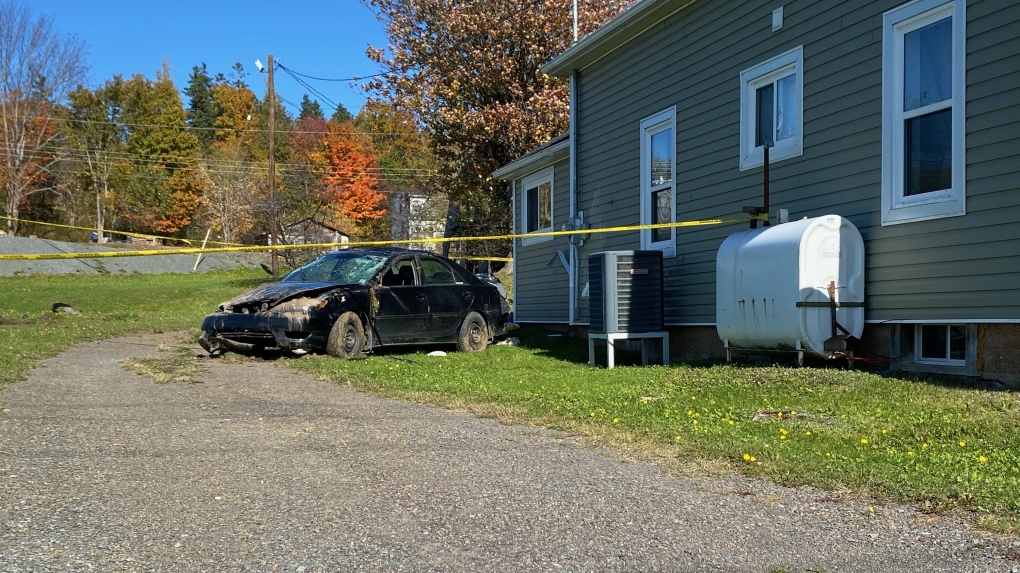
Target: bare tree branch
38,67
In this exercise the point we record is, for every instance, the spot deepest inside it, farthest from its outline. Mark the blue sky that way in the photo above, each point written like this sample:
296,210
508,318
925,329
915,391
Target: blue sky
322,39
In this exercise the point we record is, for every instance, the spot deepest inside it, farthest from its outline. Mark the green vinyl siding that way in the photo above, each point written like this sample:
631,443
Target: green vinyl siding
542,289
954,268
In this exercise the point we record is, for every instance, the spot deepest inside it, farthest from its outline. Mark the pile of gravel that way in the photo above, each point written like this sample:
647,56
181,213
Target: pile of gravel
112,265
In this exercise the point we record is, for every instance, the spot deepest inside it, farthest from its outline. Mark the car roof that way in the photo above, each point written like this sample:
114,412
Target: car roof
382,251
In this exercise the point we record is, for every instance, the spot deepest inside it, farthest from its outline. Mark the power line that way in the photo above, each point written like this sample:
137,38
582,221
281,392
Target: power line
354,79
307,86
234,129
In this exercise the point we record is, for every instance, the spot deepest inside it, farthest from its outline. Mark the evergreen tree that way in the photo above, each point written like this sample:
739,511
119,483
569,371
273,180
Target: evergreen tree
201,108
165,189
238,74
310,109
341,114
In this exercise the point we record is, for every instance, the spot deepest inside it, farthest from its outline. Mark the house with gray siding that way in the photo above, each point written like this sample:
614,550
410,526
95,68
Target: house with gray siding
900,117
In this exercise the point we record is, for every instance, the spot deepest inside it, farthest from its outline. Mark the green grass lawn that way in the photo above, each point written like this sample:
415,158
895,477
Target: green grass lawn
110,305
942,443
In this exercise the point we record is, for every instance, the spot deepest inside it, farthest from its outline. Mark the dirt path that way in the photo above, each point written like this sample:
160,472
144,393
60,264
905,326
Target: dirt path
260,468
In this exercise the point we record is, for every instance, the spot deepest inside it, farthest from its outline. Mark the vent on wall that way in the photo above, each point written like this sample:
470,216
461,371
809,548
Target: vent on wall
625,292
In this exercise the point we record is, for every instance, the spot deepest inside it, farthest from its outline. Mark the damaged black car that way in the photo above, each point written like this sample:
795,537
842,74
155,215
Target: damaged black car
350,302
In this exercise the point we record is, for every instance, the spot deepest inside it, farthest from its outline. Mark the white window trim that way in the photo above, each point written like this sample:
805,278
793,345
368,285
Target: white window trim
664,120
935,361
533,180
768,71
896,208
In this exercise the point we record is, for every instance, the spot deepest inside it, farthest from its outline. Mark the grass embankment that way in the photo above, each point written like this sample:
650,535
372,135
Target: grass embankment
110,305
943,444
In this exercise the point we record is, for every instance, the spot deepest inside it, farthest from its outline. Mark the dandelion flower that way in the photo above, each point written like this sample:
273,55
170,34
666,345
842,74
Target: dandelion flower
807,433
885,431
592,414
616,420
864,441
924,446
982,459
730,421
963,444
911,454
678,438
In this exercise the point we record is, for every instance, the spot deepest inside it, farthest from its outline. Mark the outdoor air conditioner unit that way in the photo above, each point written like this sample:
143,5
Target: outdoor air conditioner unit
626,292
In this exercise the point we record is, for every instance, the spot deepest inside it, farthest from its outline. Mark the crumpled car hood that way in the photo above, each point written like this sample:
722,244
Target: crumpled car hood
275,293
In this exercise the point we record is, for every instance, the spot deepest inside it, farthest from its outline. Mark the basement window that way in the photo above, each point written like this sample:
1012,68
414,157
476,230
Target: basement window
941,344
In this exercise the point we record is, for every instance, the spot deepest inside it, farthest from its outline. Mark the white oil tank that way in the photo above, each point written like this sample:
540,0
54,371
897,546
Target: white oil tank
770,281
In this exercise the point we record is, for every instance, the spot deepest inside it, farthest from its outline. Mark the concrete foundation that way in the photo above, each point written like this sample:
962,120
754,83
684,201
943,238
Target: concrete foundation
1000,351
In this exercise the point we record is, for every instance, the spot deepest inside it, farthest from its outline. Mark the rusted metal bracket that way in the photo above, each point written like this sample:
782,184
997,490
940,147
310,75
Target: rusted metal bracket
840,335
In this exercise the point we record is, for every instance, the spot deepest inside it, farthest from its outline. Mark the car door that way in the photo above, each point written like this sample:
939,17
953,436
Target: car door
403,313
450,297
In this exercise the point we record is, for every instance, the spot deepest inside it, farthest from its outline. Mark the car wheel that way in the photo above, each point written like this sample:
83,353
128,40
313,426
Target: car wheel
347,337
473,335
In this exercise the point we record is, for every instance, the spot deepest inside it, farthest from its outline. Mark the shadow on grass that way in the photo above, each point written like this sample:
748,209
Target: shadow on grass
568,346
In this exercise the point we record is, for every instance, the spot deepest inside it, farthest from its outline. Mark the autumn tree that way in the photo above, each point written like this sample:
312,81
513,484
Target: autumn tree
166,183
470,72
302,176
402,149
350,178
96,136
270,213
38,67
234,106
234,180
407,167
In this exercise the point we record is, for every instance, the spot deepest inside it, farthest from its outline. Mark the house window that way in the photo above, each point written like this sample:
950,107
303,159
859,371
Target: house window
771,109
941,344
658,181
537,211
923,115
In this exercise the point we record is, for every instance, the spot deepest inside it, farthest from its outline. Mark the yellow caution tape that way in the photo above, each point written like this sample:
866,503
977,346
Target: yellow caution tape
263,248
492,259
111,232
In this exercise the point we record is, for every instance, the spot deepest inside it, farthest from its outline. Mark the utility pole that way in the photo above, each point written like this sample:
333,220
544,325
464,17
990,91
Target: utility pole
271,99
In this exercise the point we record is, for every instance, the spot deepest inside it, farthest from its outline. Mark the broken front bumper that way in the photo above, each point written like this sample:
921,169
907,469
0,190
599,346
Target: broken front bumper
248,332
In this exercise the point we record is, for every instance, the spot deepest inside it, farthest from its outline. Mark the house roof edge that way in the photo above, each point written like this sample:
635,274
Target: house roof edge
618,31
554,150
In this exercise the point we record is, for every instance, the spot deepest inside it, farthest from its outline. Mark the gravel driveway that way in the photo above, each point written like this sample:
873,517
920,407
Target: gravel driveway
261,468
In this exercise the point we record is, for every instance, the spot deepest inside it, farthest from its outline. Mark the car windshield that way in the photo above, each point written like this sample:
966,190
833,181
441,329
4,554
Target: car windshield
344,268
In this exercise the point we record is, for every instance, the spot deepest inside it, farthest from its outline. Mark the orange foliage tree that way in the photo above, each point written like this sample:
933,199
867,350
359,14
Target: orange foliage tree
350,176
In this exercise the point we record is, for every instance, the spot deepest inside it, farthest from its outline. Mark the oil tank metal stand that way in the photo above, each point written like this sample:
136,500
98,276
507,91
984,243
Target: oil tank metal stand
610,337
